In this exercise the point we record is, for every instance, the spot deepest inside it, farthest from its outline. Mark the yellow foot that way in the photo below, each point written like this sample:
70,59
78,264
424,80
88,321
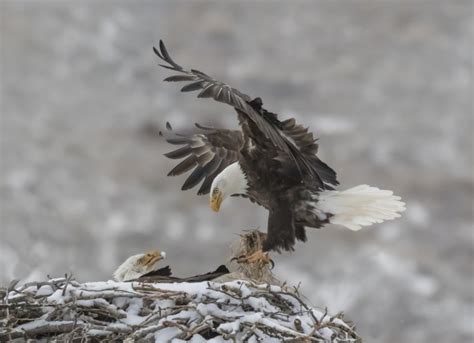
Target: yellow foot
257,257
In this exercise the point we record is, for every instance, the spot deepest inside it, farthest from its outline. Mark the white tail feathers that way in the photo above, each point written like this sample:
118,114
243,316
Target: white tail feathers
360,206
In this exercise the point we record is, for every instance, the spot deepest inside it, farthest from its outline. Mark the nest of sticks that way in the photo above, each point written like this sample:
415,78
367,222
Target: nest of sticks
66,310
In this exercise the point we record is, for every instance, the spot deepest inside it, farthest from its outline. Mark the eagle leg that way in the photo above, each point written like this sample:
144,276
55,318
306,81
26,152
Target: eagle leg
257,257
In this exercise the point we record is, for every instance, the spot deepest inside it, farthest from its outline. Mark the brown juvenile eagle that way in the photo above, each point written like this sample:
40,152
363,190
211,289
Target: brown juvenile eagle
271,162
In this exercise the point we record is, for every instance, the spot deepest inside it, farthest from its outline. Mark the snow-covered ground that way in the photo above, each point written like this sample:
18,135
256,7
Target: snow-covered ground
386,85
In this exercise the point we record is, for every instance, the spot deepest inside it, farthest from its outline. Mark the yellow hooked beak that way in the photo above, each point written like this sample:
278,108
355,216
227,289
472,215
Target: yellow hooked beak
152,257
216,201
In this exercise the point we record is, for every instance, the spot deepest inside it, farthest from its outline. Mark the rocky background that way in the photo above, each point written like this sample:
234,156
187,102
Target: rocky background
386,85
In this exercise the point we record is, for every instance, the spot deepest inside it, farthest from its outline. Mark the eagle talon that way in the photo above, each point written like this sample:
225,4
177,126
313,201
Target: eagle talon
238,259
257,257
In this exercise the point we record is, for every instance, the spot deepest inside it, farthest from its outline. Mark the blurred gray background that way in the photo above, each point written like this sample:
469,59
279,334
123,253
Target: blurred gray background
386,85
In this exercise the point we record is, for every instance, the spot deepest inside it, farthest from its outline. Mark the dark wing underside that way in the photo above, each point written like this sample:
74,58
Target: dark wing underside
208,153
163,277
211,88
162,272
308,146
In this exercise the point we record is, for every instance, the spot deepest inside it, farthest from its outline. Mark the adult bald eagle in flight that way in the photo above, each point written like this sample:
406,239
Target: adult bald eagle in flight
271,162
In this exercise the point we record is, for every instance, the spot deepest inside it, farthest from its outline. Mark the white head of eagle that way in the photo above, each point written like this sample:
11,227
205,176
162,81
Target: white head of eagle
230,181
138,265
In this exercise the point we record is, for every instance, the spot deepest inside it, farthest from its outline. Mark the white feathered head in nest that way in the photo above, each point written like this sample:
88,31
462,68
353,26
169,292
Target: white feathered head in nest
138,265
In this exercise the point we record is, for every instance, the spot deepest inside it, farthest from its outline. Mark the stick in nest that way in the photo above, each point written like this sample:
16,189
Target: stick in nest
249,242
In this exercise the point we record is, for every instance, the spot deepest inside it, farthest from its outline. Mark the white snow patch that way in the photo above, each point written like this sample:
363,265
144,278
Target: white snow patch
97,332
326,333
45,290
229,328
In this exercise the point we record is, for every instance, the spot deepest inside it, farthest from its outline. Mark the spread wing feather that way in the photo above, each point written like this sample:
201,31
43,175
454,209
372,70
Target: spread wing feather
308,146
219,91
208,152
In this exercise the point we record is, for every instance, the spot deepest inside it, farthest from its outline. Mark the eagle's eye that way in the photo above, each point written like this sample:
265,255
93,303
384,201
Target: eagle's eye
215,191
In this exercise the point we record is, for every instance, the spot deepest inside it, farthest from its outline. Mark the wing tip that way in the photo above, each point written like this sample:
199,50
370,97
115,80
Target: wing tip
155,50
162,45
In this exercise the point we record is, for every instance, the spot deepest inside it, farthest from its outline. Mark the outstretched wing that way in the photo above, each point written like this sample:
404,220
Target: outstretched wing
211,88
209,152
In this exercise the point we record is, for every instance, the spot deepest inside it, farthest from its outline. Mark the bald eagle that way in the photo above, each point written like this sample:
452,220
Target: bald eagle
141,267
271,162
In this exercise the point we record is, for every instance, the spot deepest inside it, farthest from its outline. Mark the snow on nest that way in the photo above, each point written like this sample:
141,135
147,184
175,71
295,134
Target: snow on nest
206,311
